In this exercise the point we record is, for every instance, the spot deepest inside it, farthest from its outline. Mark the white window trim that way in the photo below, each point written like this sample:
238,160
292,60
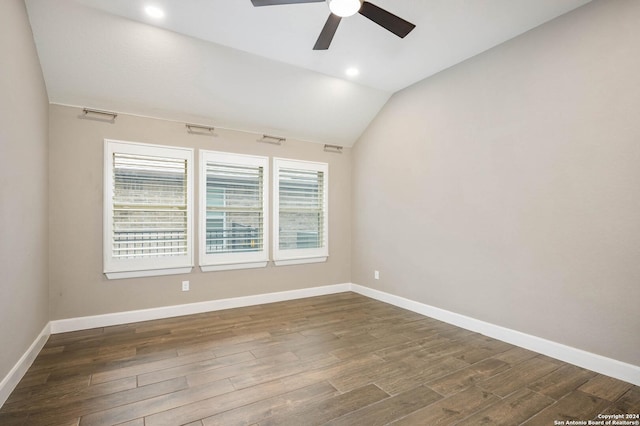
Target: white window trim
133,268
300,261
231,261
299,256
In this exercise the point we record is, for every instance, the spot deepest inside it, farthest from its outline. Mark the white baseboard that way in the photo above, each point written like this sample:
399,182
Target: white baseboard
607,366
598,363
83,323
11,380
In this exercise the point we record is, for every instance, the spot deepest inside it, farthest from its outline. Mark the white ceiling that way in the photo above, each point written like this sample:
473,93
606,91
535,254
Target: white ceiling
229,64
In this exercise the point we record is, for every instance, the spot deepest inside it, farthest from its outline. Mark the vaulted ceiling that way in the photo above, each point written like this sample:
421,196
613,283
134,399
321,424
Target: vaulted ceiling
228,64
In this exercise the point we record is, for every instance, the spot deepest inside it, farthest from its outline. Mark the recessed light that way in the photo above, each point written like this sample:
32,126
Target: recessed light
352,71
154,12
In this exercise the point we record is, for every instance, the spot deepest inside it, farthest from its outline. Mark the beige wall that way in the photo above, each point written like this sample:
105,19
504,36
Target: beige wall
78,286
23,187
507,188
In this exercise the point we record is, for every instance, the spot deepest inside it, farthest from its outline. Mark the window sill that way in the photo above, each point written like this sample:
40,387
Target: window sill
300,261
232,266
148,273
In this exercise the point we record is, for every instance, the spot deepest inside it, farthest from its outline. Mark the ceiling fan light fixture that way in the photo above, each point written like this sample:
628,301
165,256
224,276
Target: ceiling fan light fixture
344,8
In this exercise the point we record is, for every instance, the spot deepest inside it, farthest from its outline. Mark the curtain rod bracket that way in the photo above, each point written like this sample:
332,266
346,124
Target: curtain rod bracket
333,148
88,111
275,140
200,130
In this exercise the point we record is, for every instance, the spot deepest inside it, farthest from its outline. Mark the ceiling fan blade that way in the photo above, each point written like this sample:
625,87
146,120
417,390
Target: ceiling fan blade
327,33
385,19
258,3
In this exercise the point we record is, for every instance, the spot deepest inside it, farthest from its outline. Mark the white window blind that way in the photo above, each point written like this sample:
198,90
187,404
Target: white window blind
149,206
301,211
147,209
233,213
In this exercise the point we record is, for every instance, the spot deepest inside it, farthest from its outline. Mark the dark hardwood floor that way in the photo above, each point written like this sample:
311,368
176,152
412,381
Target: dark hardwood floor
341,360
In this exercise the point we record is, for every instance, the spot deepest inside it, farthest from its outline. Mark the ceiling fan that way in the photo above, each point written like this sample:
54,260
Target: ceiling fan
344,8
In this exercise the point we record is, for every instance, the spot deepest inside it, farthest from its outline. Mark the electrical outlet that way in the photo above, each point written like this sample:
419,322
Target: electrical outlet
185,285
376,275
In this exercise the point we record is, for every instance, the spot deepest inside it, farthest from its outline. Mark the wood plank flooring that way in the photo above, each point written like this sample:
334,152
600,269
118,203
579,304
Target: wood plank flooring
340,359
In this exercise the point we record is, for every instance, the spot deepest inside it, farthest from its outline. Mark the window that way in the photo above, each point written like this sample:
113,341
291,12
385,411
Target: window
300,212
148,209
233,211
